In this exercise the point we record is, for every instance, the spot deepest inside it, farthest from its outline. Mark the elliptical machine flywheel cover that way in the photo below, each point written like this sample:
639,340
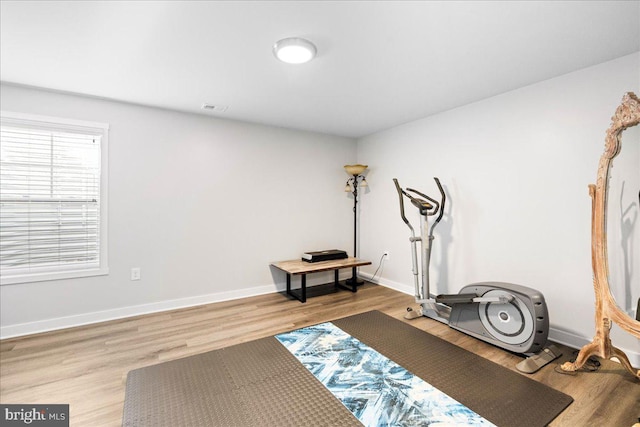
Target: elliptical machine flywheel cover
520,325
510,322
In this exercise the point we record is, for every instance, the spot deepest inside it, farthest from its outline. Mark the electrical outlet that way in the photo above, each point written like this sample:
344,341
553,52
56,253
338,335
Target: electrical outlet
386,255
135,273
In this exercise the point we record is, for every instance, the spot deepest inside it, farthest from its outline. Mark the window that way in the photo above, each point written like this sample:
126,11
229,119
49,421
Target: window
52,198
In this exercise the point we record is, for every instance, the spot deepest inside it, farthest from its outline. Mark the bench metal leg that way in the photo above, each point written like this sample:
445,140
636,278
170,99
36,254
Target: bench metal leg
302,295
353,288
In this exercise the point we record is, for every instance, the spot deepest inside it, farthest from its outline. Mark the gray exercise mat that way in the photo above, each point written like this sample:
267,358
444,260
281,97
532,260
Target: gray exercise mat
260,383
504,397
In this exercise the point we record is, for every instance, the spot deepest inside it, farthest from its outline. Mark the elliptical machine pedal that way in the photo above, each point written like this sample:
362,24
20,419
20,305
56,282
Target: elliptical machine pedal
413,314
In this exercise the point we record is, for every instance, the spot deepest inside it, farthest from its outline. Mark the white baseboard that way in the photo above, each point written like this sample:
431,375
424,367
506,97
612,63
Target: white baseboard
576,341
136,310
53,324
400,287
555,334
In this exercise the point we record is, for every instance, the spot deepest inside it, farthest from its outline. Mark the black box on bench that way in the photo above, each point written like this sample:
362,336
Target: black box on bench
327,255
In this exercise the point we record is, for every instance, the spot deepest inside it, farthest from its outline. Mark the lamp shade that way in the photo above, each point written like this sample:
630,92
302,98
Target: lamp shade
355,169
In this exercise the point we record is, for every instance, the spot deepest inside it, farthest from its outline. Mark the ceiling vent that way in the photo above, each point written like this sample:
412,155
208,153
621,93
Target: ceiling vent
215,108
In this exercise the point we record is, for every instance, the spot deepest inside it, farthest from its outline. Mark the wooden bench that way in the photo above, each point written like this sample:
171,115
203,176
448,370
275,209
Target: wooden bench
302,268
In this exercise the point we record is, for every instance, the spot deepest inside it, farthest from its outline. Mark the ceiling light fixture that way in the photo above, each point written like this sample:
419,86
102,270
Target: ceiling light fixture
294,50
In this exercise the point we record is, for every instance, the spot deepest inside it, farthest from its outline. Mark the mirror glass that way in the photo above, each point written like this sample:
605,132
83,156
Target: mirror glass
623,223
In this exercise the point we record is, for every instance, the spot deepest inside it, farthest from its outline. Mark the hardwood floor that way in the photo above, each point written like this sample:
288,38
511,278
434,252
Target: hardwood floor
87,366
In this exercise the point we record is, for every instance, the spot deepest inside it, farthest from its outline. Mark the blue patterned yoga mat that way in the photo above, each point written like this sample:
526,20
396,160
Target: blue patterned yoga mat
378,391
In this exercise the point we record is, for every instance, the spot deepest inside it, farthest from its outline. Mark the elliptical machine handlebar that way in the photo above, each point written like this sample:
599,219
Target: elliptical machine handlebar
400,193
427,207
443,199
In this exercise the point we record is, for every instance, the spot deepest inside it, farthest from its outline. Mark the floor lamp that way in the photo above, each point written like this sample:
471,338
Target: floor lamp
352,187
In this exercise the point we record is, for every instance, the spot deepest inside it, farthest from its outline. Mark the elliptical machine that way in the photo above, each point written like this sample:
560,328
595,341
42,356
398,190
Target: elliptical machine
509,316
426,207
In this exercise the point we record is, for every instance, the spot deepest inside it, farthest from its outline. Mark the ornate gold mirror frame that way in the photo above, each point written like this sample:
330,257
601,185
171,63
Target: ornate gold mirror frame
607,311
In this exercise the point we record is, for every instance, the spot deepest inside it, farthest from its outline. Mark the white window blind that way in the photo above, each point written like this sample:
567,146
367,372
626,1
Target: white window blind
50,199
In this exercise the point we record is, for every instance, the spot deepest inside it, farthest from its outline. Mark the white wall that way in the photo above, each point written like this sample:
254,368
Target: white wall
516,169
201,205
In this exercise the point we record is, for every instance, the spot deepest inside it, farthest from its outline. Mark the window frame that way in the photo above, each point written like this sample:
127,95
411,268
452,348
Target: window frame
68,125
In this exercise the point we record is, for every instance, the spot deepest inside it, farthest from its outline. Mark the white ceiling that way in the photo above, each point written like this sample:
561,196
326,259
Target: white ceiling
379,63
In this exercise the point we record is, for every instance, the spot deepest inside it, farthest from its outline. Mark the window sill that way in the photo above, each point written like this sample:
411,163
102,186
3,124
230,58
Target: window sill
52,275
